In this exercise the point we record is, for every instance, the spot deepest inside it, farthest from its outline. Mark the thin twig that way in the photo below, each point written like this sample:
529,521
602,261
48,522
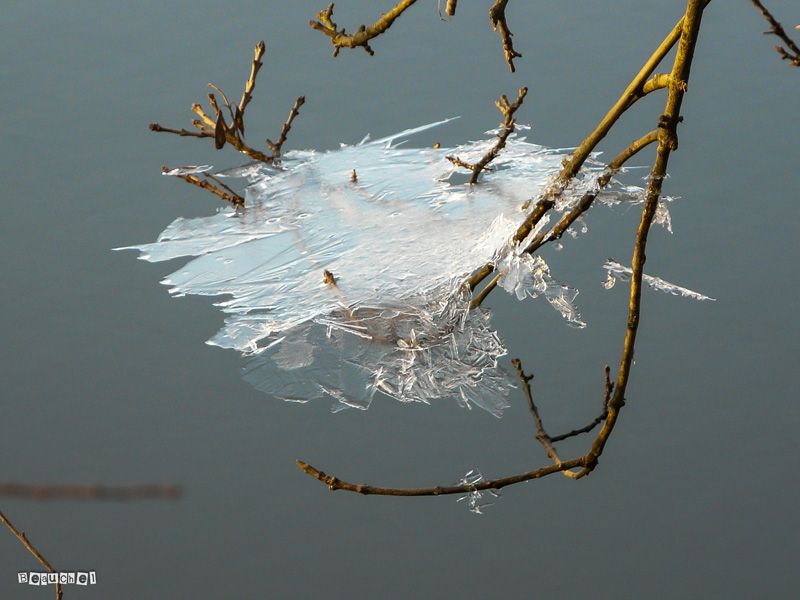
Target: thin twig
226,194
776,29
341,39
541,434
181,132
275,147
506,129
497,17
20,535
545,439
609,388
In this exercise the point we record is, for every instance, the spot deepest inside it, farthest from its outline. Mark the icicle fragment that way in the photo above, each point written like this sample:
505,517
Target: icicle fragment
618,272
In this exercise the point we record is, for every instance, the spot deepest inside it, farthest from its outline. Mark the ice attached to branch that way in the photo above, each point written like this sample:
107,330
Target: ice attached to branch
399,239
618,272
525,275
634,194
476,500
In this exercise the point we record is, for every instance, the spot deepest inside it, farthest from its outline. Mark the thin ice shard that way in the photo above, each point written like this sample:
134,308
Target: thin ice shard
398,242
618,272
188,170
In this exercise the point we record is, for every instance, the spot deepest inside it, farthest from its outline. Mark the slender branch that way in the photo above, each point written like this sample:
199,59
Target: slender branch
90,492
250,84
341,39
275,147
541,434
506,129
334,483
497,17
181,132
568,219
609,388
792,51
20,535
225,100
226,194
667,142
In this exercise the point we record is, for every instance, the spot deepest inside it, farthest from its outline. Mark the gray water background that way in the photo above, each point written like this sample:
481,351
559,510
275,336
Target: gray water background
104,378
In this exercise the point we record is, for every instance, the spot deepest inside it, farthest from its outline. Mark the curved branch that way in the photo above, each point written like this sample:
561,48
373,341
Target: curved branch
667,142
341,39
334,483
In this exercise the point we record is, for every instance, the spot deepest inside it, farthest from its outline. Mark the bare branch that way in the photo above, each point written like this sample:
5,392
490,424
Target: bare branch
506,129
250,84
792,51
609,388
225,193
181,132
20,535
497,17
275,147
341,39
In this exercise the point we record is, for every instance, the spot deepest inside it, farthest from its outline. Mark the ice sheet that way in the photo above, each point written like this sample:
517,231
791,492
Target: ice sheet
340,287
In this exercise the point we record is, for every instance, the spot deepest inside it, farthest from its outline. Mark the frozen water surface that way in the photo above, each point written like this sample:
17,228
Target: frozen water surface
342,287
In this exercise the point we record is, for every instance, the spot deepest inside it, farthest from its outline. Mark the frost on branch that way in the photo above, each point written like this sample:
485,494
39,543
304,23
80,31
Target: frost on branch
343,275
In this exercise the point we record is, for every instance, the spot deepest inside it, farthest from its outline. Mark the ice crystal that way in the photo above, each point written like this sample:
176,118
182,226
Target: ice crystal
476,500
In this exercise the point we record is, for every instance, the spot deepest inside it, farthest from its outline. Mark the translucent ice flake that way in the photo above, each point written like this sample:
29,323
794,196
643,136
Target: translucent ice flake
342,276
618,272
525,275
476,500
632,194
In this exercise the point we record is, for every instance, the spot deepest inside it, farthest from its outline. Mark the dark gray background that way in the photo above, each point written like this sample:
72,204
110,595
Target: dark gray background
105,378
